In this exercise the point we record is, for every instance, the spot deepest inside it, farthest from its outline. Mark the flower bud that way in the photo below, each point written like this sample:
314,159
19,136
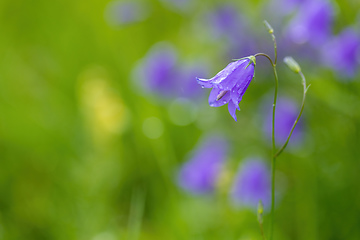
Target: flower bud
292,64
268,26
260,211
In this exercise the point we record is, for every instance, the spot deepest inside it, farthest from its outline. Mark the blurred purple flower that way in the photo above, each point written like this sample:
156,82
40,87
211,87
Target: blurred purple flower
227,22
187,87
312,23
121,13
199,174
285,7
252,184
157,72
160,73
343,52
285,115
230,84
180,5
224,20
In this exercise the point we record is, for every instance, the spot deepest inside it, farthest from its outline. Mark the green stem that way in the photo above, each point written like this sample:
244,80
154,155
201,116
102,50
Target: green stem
273,162
262,231
273,145
305,88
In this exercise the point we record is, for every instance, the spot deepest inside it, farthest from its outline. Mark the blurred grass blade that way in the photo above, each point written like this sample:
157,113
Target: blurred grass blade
136,213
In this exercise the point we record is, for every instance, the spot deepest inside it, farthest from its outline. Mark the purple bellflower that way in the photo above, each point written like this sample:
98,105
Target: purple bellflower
230,84
312,23
252,184
286,112
199,174
343,52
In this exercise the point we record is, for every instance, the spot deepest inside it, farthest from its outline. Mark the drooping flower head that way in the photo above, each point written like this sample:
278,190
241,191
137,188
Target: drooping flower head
252,184
343,52
312,23
230,84
200,173
285,114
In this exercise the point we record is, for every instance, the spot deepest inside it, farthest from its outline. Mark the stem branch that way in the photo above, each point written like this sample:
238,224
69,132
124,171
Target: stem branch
305,88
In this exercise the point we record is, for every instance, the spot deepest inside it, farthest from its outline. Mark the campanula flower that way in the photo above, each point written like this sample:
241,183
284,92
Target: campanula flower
230,84
285,113
312,23
200,173
252,184
343,52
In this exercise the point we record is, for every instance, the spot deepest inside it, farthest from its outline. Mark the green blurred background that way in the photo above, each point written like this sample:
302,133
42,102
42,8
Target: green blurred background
85,155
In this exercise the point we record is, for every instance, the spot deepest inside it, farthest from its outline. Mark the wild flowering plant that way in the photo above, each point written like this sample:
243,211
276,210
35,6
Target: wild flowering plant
230,84
228,87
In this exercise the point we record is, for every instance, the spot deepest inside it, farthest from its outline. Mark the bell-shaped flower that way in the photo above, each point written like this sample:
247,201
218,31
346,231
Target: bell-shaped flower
230,84
252,184
200,173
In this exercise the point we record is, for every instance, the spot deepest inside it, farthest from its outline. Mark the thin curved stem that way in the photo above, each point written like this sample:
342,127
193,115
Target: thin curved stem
305,88
267,56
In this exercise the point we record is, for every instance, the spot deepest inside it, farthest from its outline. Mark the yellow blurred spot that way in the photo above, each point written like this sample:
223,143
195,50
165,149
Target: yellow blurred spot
104,110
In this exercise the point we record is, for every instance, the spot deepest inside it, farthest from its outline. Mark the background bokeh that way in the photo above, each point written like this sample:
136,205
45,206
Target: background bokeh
100,110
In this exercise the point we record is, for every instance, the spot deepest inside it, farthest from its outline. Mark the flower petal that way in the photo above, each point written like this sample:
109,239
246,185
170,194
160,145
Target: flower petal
213,96
239,89
222,75
235,95
205,83
232,109
229,76
239,76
